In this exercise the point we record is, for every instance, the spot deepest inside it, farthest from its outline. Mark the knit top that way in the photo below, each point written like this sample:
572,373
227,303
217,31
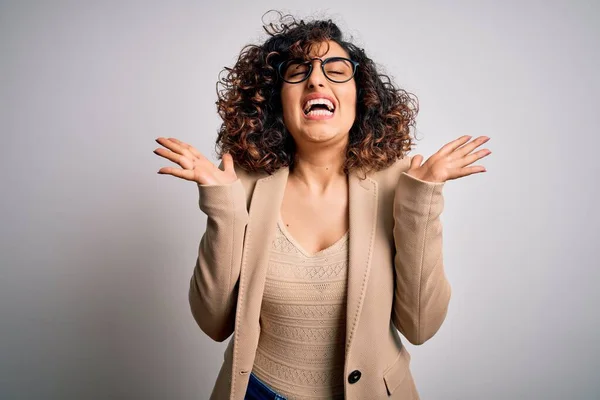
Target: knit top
300,351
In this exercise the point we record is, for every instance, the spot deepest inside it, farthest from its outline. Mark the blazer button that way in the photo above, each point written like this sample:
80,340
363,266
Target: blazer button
354,376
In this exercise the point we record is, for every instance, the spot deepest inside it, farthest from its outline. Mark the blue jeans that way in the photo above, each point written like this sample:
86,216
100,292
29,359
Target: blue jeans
258,390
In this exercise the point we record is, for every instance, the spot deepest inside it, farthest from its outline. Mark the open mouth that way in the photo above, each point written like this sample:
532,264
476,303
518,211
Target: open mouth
316,107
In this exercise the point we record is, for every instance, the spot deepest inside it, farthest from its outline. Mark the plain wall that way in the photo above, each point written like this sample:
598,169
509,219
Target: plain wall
97,249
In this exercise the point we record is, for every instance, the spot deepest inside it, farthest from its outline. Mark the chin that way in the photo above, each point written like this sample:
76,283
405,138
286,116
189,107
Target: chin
327,132
320,136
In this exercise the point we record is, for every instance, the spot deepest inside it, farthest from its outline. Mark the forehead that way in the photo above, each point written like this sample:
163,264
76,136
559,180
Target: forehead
327,49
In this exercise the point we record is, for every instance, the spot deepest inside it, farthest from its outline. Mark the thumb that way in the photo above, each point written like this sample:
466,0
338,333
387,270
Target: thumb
227,162
416,161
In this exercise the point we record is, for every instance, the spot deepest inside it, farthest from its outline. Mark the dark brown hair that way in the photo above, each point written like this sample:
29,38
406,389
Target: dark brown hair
249,103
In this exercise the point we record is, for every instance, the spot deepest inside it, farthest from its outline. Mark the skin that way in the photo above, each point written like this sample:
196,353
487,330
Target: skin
320,144
315,203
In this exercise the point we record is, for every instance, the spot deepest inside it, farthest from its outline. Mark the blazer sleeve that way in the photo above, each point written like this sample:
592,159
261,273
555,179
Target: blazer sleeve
422,291
213,285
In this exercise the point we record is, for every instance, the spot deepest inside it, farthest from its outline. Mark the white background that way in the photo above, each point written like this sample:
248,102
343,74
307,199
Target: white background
97,249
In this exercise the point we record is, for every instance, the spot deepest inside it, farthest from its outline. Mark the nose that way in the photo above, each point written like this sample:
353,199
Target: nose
316,77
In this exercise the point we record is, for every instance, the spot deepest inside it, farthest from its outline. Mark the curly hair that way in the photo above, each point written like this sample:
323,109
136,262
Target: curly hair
249,103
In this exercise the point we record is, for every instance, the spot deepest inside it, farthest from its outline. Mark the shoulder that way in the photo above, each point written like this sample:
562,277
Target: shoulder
389,176
248,180
248,177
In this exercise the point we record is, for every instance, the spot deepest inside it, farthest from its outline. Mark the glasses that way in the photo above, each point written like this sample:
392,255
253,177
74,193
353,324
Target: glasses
336,69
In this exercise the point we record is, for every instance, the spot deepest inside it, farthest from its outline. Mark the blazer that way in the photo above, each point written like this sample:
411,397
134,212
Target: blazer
396,278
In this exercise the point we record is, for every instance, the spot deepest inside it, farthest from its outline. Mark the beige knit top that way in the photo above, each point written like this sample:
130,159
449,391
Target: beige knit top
300,352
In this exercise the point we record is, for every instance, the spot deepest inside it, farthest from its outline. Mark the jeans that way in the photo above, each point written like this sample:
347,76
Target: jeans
258,390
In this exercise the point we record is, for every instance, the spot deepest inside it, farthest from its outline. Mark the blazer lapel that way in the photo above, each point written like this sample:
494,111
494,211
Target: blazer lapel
362,221
264,210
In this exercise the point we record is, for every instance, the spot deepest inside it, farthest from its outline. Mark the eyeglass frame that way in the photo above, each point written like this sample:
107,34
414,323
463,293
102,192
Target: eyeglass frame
355,65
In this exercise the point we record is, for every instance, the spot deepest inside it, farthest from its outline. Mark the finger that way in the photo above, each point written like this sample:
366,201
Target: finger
453,145
471,158
179,142
188,147
469,147
172,145
177,172
475,169
176,158
169,144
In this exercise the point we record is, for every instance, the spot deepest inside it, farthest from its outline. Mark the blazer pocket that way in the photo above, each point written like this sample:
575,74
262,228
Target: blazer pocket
395,374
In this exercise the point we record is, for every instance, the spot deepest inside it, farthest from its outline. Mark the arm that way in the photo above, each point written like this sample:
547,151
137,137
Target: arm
422,292
213,286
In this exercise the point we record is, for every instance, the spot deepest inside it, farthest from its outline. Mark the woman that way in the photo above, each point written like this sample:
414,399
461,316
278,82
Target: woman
323,237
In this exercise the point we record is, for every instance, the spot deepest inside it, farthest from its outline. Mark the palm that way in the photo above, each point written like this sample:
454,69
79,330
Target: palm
194,166
451,161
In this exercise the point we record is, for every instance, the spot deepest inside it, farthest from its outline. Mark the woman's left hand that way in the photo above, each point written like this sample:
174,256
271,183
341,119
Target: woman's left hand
451,161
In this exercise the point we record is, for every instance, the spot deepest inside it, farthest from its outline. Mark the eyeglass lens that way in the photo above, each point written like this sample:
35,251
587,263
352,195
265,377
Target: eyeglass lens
336,69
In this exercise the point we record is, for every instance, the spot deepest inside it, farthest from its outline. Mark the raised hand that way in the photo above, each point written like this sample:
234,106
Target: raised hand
194,166
450,162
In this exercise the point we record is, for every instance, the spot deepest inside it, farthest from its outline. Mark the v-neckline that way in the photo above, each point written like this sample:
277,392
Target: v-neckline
289,236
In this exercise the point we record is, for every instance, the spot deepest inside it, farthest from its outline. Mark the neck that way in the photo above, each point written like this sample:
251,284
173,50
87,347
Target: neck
319,169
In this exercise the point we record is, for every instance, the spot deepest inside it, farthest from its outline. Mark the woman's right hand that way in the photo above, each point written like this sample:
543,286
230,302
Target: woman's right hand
194,166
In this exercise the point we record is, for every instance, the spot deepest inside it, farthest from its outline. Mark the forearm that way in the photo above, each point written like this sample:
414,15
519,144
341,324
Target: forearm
422,291
213,285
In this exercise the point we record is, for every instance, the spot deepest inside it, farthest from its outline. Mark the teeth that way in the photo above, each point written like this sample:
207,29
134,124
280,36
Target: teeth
319,112
323,101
